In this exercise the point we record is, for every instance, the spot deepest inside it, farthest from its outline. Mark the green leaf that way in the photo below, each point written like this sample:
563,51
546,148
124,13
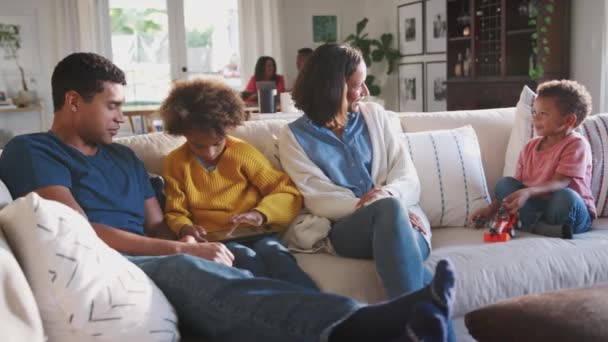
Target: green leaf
535,35
535,50
549,8
361,25
386,39
548,20
545,41
377,55
543,29
546,49
532,22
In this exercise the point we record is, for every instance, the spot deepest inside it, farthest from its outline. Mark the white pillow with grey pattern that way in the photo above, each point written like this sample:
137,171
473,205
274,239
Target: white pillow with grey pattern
452,181
85,290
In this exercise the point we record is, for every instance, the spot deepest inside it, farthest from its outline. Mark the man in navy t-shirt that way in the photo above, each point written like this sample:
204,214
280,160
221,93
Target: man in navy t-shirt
77,164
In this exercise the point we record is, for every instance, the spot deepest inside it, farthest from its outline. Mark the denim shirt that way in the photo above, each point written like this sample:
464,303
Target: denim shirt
347,161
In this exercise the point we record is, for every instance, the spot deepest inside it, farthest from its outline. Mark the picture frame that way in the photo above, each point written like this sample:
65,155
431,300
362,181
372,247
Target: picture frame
411,87
410,18
436,26
436,86
324,29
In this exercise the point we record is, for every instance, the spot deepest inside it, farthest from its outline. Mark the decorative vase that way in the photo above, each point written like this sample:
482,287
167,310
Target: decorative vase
24,98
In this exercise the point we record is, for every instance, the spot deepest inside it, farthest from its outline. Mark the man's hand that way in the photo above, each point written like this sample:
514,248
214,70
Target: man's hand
213,251
196,231
371,196
254,218
416,222
516,200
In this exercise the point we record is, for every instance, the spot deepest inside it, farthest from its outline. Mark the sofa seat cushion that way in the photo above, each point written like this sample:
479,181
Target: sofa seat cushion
567,315
485,273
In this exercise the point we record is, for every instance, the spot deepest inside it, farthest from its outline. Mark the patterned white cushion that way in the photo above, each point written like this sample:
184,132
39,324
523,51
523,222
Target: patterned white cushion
85,290
595,129
451,175
522,130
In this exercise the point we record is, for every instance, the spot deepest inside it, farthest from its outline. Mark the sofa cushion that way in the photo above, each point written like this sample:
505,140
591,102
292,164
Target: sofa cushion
5,195
263,135
451,175
522,130
492,126
152,148
568,315
84,289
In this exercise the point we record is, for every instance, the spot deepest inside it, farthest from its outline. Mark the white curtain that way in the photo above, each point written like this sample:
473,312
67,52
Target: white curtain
82,26
260,30
603,100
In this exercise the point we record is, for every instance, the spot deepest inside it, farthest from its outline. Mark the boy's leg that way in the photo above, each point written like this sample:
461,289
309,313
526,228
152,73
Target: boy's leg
280,263
382,231
247,259
530,212
227,304
565,214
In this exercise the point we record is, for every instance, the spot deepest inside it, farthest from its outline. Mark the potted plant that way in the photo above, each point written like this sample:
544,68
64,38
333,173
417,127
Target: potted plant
10,42
374,50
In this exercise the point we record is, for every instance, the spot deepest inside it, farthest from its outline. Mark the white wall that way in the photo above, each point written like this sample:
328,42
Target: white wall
587,41
25,122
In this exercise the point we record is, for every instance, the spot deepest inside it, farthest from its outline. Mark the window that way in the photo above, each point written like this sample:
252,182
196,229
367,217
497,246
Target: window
203,33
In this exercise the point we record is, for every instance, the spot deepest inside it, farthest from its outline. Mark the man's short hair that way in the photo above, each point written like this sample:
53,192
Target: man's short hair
205,105
305,51
570,96
84,73
320,85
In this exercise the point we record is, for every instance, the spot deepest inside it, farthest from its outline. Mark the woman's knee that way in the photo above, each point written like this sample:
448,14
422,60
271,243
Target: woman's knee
387,205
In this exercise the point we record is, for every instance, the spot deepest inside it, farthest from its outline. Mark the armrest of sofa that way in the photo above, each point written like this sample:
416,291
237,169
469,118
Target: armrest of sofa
566,315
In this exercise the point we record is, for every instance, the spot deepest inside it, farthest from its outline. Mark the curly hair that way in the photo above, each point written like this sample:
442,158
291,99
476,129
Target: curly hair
260,67
206,105
320,85
571,97
85,74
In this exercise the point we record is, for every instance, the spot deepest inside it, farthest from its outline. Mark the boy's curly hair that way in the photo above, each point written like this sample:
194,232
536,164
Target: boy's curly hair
571,97
203,105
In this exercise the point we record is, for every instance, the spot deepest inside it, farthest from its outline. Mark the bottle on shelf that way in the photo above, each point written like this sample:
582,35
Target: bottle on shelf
466,63
458,66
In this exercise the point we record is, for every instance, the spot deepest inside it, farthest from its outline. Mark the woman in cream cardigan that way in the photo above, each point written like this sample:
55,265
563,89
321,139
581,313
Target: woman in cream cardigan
347,161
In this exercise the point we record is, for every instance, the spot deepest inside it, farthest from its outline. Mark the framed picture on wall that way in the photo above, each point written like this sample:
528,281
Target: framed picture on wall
411,28
324,28
436,26
411,87
436,86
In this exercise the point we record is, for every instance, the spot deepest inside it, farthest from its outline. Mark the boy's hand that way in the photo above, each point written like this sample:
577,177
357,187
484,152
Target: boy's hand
371,196
196,231
516,200
485,213
254,218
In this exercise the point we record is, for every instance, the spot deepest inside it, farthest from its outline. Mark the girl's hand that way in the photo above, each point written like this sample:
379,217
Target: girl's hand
254,218
371,196
196,231
516,200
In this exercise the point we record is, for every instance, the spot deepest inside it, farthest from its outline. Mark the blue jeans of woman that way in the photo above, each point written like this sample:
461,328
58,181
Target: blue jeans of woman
382,231
561,208
228,304
267,257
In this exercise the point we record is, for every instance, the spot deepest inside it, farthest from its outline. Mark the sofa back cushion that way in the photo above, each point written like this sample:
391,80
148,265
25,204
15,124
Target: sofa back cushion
492,127
151,148
450,172
263,135
84,289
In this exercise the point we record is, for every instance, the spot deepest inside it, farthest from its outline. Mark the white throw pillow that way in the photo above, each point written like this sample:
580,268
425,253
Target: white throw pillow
595,129
85,290
521,132
451,174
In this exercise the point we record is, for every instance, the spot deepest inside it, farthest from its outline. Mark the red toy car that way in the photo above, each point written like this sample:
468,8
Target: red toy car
502,228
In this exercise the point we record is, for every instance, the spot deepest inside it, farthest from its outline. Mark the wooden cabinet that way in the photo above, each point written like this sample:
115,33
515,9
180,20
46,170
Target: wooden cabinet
506,41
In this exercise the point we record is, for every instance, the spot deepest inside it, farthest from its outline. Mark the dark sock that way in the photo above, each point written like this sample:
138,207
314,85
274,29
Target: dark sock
427,324
387,320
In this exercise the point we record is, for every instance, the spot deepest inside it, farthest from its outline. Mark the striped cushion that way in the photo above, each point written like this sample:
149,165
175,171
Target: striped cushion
595,129
451,174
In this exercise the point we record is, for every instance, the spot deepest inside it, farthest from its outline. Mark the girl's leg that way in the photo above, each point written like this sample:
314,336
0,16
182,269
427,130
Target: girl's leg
280,263
382,231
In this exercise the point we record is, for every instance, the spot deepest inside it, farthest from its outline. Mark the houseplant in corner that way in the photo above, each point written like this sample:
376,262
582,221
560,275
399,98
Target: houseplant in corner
10,42
374,50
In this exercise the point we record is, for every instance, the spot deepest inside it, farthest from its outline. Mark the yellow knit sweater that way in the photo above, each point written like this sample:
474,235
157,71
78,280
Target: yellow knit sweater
242,181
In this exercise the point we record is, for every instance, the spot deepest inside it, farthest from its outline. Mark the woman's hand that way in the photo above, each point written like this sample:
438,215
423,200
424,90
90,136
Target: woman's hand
254,218
371,196
195,231
416,222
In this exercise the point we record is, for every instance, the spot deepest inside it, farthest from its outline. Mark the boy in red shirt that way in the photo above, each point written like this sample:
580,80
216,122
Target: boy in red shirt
551,188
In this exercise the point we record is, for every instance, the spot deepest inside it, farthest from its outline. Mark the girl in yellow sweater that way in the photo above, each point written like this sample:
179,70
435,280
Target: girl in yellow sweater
214,181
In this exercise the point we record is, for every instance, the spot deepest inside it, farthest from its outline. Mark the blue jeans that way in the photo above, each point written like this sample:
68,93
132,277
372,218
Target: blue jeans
382,231
267,257
563,207
228,304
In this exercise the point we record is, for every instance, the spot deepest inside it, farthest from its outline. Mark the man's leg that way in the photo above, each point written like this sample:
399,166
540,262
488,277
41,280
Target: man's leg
280,263
246,258
226,304
382,231
565,214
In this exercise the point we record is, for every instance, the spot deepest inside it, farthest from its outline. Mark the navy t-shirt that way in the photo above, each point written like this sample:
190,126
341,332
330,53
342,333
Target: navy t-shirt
110,186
